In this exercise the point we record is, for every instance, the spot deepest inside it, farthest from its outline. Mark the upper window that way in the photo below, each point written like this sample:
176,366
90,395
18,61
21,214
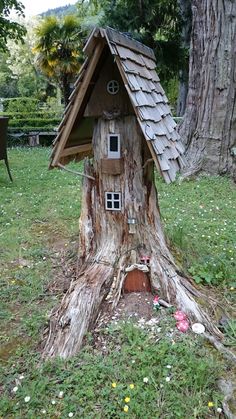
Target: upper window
113,87
113,146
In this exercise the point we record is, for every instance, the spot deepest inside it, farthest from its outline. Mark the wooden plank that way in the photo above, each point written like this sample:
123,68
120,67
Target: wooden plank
124,40
112,166
75,150
91,42
78,101
137,281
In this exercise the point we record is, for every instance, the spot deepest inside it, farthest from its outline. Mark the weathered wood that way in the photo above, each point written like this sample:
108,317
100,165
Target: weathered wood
77,149
73,114
74,171
101,100
209,124
137,281
106,245
112,166
121,39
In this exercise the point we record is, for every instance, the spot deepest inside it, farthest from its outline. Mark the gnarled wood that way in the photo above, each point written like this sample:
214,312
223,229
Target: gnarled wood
209,125
106,247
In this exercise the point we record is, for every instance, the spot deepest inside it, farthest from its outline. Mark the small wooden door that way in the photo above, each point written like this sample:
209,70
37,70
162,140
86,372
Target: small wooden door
137,281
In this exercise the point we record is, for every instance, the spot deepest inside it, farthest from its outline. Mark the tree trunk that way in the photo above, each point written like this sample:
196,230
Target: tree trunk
108,244
186,17
209,125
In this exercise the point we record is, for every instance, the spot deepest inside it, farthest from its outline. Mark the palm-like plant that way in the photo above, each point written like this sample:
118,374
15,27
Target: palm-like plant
59,50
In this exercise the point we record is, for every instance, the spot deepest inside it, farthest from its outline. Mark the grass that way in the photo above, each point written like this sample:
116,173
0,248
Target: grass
199,219
39,213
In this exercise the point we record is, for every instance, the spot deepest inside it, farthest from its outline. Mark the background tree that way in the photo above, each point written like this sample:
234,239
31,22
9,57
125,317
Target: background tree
59,50
209,125
20,61
10,29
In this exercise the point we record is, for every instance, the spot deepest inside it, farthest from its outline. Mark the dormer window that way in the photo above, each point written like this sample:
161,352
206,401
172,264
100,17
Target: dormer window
113,146
113,201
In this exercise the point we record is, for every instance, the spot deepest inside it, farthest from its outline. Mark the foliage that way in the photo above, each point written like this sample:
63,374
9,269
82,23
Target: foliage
230,333
60,11
200,223
155,23
27,114
10,29
8,83
59,51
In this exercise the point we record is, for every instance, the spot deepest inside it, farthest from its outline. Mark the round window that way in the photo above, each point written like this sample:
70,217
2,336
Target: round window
113,87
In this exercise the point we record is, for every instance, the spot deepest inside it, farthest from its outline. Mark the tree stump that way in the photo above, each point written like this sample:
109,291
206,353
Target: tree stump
107,246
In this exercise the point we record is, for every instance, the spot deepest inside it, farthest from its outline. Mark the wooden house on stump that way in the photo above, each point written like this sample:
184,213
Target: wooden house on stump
118,114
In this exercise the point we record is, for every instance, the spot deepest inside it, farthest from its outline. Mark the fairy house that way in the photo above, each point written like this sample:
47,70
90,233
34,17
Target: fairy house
118,116
118,79
118,104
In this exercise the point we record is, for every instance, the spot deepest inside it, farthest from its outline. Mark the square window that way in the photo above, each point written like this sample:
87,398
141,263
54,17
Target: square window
113,201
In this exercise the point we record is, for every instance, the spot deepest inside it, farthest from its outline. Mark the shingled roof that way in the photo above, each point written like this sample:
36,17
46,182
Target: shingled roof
137,67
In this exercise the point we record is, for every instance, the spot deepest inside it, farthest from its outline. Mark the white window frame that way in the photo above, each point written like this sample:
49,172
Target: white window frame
113,154
113,200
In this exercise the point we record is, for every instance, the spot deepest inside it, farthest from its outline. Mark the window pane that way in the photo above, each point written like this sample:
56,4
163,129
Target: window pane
117,204
114,143
109,196
116,196
109,204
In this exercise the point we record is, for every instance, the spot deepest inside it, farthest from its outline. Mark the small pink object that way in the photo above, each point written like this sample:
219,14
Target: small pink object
180,315
156,299
182,325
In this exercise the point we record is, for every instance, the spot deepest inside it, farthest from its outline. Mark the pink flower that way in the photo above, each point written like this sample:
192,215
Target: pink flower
182,325
156,299
180,315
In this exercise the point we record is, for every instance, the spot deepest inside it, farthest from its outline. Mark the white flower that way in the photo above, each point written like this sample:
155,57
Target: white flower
21,377
168,366
15,389
167,379
219,410
43,411
145,380
53,401
71,414
27,399
61,394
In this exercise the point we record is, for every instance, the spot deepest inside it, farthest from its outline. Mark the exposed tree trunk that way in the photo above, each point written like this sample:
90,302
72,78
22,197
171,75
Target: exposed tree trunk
209,125
107,246
186,17
65,88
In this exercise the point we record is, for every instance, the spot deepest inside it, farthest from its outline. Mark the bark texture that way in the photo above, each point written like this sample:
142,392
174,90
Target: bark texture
186,17
107,245
209,124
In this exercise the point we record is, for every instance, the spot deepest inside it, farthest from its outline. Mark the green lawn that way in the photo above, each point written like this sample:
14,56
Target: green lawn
39,214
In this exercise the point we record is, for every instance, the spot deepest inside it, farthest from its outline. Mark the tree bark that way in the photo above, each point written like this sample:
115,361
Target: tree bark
209,125
186,18
107,246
